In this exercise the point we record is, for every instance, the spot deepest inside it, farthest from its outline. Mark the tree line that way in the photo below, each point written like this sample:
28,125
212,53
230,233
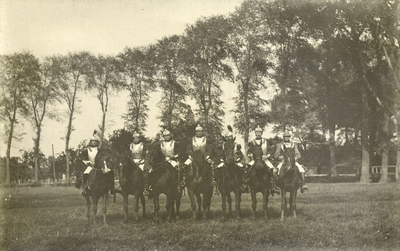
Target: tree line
318,68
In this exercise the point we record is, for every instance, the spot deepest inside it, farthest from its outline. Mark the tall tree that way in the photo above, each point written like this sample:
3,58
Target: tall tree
205,59
248,48
19,71
103,77
41,95
71,74
173,84
137,71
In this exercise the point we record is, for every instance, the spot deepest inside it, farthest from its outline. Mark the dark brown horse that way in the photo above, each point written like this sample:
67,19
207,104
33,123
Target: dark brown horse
198,181
230,178
99,183
131,182
289,182
259,181
163,179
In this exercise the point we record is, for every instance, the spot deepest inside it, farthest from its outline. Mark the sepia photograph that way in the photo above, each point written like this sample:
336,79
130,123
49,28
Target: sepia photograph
200,125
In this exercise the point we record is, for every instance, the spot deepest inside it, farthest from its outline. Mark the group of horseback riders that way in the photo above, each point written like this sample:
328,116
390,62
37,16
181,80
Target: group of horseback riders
181,157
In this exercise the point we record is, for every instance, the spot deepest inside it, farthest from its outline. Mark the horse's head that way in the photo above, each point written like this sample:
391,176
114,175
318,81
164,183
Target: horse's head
257,157
103,160
198,166
153,157
229,149
289,160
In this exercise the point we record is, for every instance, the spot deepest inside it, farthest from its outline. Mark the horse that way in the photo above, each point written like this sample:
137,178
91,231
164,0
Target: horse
198,181
289,181
230,178
259,181
163,179
131,182
100,182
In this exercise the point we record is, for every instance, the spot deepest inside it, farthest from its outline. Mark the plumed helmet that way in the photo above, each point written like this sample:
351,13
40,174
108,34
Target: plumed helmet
287,134
136,135
166,132
258,129
199,128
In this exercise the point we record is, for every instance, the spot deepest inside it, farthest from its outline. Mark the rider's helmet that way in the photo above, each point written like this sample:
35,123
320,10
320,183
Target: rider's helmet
199,128
287,134
166,133
136,135
258,129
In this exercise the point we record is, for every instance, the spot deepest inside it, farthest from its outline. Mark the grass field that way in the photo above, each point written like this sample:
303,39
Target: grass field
348,216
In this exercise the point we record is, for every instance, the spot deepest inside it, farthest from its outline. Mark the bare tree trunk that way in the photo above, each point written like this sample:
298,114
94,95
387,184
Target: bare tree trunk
247,125
37,153
364,138
397,119
67,138
8,153
385,157
332,150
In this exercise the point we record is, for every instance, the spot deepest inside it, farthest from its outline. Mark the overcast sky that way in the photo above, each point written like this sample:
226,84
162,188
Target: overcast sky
50,27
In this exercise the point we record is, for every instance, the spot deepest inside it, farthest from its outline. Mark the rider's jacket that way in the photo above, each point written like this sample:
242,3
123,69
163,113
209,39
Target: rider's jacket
169,148
281,148
201,144
263,143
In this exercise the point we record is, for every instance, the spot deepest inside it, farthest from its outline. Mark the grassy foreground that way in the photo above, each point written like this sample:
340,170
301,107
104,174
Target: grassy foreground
346,216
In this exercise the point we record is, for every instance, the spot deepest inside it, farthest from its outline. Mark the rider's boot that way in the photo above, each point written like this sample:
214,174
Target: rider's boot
147,187
304,187
214,181
85,188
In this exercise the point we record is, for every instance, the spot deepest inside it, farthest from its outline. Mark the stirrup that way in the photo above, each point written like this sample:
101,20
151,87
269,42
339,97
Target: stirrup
182,183
303,189
213,183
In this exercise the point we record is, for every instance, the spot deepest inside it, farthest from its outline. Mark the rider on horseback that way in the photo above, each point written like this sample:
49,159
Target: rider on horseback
137,154
197,143
288,143
262,143
88,154
170,149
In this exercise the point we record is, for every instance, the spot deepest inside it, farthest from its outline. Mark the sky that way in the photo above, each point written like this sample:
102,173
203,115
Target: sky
51,27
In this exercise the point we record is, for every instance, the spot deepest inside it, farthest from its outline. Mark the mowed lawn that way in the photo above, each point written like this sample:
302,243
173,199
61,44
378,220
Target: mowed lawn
347,216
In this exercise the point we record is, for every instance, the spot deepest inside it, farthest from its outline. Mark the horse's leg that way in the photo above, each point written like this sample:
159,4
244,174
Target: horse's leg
229,198
178,205
125,198
207,203
95,202
170,208
253,202
265,200
192,202
198,197
88,203
156,207
136,206
143,201
293,196
283,204
238,200
105,199
223,196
